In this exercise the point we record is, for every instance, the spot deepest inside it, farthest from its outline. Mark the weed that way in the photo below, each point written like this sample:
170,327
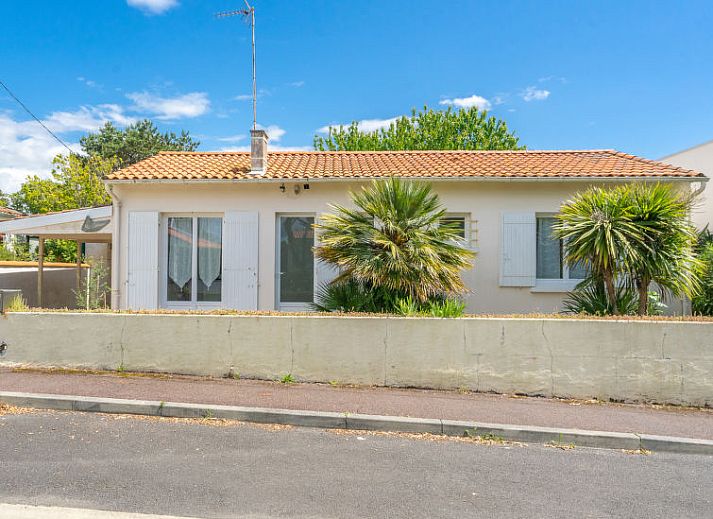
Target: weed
288,379
640,452
121,368
207,414
488,437
334,383
561,446
17,304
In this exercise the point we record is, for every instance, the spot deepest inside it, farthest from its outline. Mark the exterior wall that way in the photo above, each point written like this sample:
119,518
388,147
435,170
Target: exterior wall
58,285
484,201
699,158
623,360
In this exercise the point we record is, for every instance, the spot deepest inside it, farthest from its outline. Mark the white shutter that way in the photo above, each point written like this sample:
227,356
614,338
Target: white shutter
142,265
518,250
240,260
324,272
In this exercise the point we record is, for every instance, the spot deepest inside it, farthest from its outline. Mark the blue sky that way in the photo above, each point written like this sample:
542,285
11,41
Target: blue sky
631,75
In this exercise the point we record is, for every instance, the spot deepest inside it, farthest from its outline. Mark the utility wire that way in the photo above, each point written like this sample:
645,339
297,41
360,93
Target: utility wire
35,117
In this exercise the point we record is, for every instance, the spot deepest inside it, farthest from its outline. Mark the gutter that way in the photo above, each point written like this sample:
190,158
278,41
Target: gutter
702,179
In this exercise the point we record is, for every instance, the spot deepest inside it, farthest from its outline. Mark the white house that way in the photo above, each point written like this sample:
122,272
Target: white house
699,158
201,230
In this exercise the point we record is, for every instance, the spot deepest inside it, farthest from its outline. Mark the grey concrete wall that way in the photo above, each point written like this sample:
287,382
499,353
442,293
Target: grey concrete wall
58,285
625,360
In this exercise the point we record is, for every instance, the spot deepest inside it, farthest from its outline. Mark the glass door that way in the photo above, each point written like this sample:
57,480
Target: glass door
295,262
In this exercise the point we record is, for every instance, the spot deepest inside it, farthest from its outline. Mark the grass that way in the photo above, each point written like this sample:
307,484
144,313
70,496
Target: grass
288,379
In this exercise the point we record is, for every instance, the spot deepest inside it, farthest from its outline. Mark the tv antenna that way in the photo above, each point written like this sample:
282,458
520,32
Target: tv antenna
247,14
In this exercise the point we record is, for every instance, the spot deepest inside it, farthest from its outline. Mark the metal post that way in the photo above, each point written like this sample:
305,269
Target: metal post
40,270
79,266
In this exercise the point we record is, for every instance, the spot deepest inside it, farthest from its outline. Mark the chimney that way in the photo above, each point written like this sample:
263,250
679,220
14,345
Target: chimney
258,152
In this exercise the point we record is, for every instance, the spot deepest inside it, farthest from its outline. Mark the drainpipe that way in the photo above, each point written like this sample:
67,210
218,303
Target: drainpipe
115,248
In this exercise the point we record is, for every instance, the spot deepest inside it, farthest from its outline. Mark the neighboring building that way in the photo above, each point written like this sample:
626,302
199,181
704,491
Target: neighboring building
198,230
699,158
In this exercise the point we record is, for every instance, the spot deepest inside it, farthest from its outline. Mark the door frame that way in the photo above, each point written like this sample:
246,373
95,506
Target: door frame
279,305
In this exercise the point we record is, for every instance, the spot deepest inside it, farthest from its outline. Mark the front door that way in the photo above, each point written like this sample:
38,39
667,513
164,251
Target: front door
295,262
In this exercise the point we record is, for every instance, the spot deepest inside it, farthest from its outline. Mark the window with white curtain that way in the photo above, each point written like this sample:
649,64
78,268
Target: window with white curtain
550,254
193,259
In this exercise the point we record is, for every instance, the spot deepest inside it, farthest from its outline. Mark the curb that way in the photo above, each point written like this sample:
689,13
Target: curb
362,422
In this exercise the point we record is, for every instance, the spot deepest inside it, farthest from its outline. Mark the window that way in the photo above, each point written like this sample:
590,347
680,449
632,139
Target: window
193,260
550,254
458,222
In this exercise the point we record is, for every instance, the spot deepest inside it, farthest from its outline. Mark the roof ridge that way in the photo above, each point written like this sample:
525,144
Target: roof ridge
383,152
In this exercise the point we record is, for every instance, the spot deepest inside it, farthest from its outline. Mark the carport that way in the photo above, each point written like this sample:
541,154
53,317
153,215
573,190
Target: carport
90,225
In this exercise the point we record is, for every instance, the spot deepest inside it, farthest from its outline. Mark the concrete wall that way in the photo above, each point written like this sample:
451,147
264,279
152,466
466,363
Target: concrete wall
58,285
626,360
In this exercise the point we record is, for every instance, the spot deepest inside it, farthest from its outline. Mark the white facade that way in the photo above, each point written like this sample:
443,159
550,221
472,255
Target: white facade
698,158
513,271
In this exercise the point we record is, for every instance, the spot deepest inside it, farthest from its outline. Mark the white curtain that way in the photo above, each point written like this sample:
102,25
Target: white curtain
180,250
209,249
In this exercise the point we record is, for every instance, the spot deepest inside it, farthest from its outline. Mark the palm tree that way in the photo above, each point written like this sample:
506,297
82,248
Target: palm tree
667,253
636,234
395,239
599,232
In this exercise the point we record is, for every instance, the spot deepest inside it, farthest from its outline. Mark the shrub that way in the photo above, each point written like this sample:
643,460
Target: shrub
590,298
702,303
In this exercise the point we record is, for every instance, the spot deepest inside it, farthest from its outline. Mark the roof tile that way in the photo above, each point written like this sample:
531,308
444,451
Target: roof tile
287,165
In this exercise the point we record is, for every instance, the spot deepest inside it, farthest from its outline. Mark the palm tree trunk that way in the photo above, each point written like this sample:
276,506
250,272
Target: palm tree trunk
611,291
643,288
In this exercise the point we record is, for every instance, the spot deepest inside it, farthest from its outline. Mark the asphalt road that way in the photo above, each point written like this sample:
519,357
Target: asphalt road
183,468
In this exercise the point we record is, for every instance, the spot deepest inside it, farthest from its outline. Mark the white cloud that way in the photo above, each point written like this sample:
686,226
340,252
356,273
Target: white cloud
170,108
365,125
244,97
467,102
27,149
153,6
232,138
534,94
297,84
274,132
90,83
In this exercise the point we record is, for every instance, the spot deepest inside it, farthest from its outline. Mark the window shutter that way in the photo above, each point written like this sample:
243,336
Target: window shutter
518,261
142,265
240,260
324,273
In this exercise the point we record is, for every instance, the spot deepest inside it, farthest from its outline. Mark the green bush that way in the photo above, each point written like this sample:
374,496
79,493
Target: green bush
703,301
590,297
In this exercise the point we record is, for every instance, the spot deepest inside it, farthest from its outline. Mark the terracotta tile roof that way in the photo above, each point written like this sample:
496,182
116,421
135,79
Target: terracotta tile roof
11,212
288,165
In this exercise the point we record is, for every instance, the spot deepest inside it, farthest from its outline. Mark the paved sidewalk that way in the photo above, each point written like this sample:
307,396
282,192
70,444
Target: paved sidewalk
488,408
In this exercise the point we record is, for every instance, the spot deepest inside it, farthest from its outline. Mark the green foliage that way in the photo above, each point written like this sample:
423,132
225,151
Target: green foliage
134,143
590,297
75,182
634,234
288,379
19,252
703,301
466,129
395,240
438,307
17,304
351,296
94,288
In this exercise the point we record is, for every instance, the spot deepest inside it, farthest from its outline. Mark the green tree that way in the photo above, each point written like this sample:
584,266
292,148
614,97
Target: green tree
632,234
466,129
666,254
134,143
75,182
395,240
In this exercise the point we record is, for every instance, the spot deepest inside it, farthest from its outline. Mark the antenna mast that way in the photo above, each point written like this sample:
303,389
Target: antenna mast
245,13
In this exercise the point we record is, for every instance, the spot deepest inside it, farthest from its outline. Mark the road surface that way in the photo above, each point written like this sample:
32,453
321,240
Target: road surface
214,470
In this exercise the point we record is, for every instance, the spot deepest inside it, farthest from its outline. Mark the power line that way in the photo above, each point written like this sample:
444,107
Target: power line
35,117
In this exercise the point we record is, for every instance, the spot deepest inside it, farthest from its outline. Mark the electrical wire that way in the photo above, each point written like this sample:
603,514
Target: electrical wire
35,117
